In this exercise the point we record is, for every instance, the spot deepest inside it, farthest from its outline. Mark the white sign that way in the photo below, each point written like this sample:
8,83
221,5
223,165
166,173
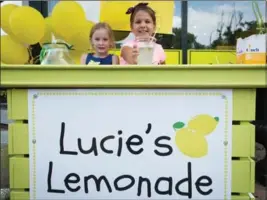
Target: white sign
130,144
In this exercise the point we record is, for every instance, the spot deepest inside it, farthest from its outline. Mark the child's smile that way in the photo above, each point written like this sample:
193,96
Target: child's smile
143,24
101,42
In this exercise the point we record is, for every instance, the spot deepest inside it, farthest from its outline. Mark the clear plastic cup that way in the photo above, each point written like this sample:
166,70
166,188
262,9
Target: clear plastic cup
146,50
56,54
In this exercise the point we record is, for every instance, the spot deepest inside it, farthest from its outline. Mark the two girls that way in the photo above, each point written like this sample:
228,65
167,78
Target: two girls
143,25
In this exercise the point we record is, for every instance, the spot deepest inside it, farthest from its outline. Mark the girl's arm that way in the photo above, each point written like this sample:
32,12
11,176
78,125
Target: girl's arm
83,59
115,60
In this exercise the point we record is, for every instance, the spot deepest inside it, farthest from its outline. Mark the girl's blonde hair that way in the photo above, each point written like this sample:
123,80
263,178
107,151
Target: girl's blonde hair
103,25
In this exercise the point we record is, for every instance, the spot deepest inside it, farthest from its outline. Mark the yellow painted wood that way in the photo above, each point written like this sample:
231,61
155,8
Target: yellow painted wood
244,103
18,195
173,57
9,103
242,173
18,139
17,107
243,140
19,172
26,196
213,57
243,197
17,104
171,76
252,175
238,77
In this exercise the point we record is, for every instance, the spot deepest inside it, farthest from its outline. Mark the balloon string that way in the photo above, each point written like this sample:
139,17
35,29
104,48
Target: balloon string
32,60
36,59
30,55
70,47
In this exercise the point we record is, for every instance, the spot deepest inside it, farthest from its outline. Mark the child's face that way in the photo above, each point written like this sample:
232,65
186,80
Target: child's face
100,41
143,25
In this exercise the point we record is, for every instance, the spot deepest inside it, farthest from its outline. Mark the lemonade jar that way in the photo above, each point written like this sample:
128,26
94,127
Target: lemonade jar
146,50
55,54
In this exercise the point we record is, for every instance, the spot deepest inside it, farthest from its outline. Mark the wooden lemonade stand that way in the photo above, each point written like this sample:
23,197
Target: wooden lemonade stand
243,79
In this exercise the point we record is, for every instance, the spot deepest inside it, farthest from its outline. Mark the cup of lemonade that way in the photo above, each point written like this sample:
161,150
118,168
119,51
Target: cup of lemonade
146,49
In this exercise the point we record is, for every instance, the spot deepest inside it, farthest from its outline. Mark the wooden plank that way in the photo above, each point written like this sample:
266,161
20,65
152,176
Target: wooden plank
18,138
19,172
17,106
169,76
244,103
243,197
17,195
173,57
242,174
243,140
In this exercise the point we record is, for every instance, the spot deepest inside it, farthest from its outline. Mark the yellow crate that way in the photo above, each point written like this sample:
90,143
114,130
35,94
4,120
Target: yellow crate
212,57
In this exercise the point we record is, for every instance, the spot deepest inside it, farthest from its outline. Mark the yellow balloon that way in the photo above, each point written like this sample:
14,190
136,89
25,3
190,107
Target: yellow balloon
67,18
47,38
6,11
80,40
27,24
49,32
13,52
76,56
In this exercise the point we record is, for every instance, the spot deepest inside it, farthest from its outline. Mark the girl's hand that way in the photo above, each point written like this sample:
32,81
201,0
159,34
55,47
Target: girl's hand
83,59
135,53
162,63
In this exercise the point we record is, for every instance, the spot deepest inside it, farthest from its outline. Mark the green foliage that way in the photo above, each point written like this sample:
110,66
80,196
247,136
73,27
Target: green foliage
227,34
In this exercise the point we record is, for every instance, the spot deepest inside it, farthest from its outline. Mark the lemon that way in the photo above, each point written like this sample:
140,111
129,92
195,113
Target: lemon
203,124
190,143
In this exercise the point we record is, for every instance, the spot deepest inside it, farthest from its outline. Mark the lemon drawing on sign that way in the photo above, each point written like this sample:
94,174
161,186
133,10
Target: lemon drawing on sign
191,144
203,124
191,140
